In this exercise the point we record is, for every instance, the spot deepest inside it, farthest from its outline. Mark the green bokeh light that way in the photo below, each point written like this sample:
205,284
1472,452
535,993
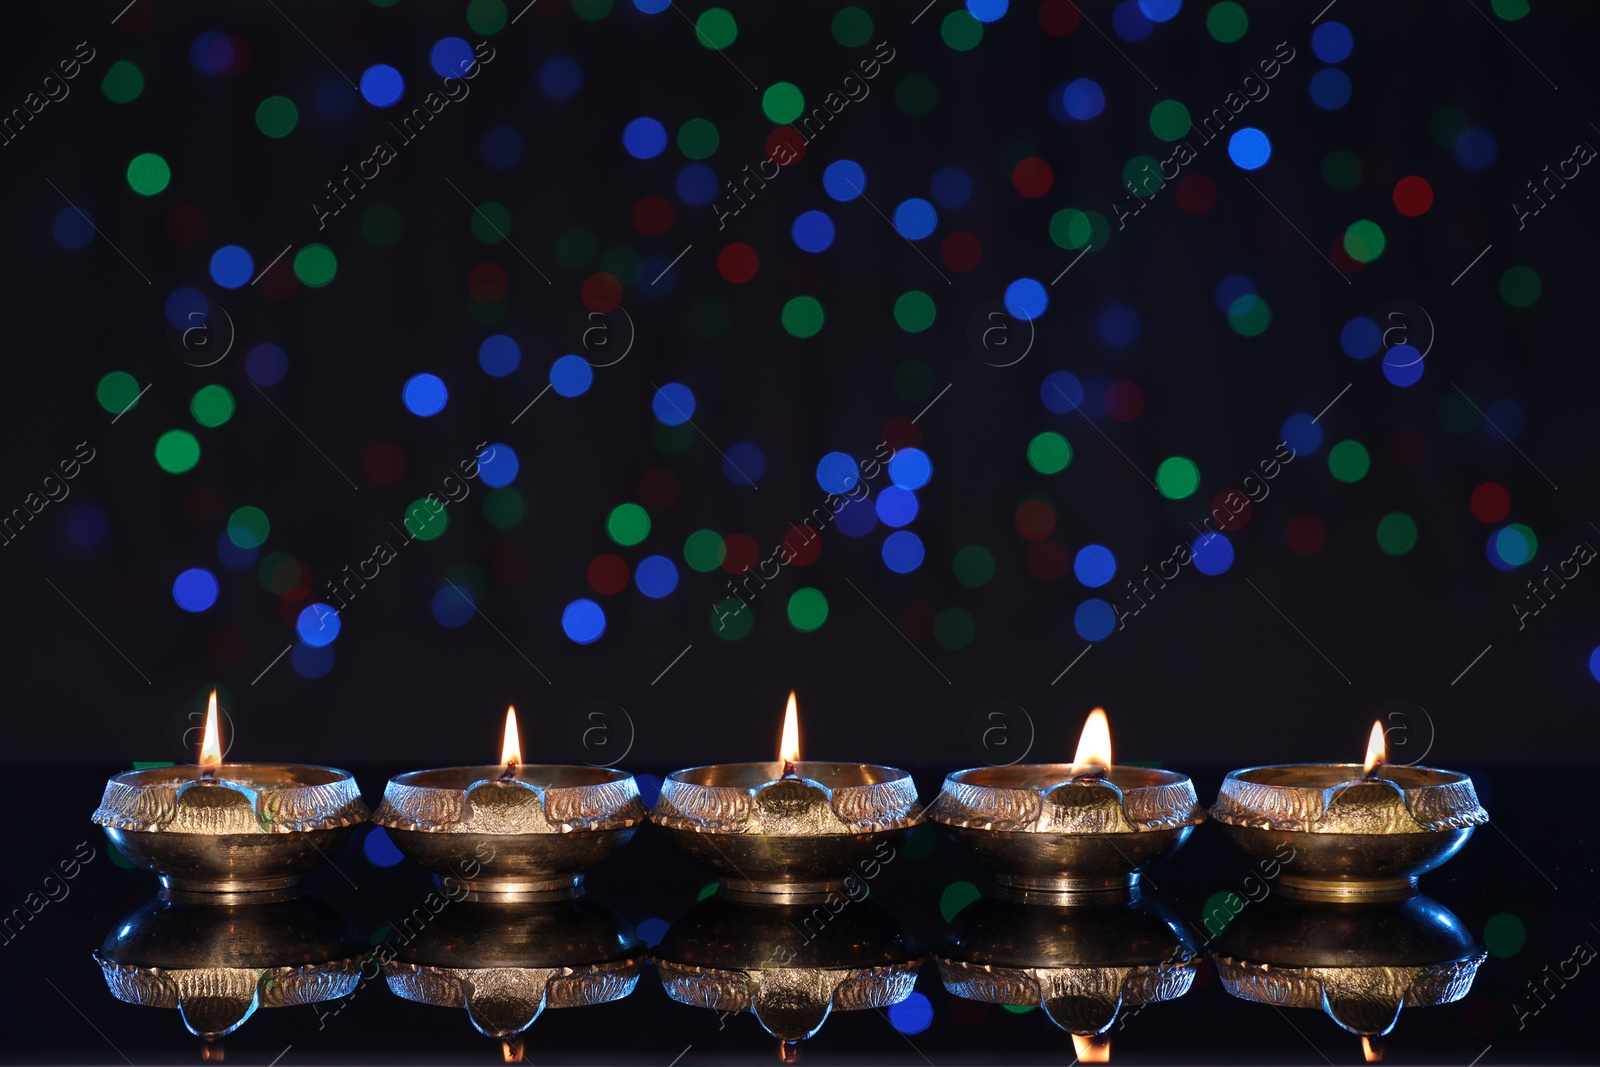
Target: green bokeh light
1227,22
1520,286
576,248
1169,120
148,174
1177,478
915,94
491,222
426,519
1447,125
123,82
919,843
852,27
956,896
628,524
315,265
732,619
212,405
1510,10
1218,911
591,10
177,451
486,16
1141,176
914,381
1508,546
383,225
914,311
503,508
704,551
1457,414
1341,170
698,138
961,31
803,316
1072,229
1349,461
783,102
276,116
716,28
1049,453
974,566
1249,315
117,391
1364,241
954,629
808,609
248,527
1504,935
1397,533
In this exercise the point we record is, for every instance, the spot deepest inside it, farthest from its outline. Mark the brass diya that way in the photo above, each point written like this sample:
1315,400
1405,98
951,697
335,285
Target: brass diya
1057,833
1354,831
511,830
788,830
1359,963
789,965
505,963
229,828
1084,965
217,964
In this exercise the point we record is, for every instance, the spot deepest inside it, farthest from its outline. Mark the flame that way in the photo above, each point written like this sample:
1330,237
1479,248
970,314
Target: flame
789,746
211,740
1372,1052
1092,1048
511,1049
1377,754
511,747
211,1051
1094,744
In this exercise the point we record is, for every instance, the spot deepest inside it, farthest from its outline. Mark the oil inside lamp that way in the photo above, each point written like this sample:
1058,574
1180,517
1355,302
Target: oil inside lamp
1092,1048
789,743
511,748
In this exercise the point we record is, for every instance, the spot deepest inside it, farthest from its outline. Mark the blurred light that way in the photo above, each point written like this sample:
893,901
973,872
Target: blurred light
177,451
1505,419
856,518
698,138
656,576
317,624
1402,365
985,11
1177,477
915,1013
379,850
501,148
1594,664
1094,620
1476,148
1060,392
651,931
902,551
1083,99
910,468
915,218
1049,453
452,606
743,463
1512,546
1119,325
1397,533
1520,286
1302,434
73,229
87,527
311,661
212,52
560,78
382,85
1249,148
1330,88
837,473
248,527
451,57
1026,299
1306,534
973,566
1332,42
498,465
1129,21
1227,22
844,180
807,610
186,308
644,138
673,404
812,232
499,355
896,506
571,375
1094,565
195,589
212,405
424,394
1360,338
1160,10
266,364
703,550
951,187
1489,503
1212,553
583,621
696,185
628,524
1349,461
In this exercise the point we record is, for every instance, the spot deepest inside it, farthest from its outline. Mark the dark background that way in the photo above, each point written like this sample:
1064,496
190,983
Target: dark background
1210,672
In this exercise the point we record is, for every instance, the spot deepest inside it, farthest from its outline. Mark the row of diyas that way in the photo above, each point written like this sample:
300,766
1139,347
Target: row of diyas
1090,968
791,829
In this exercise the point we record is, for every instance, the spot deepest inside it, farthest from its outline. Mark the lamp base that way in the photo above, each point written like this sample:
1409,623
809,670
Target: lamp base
1055,892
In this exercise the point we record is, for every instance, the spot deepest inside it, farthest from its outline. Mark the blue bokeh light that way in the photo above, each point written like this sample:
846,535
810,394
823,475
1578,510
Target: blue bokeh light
1360,338
696,185
744,463
1301,434
1330,88
451,57
915,1013
583,621
87,526
644,138
195,589
1083,99
1332,42
844,180
1061,392
656,576
1094,565
673,404
571,375
1476,148
231,555
425,394
1249,148
382,85
1026,299
1129,22
561,78
837,473
499,355
1160,10
1094,620
1402,365
187,308
73,229
987,10
856,518
501,148
1119,325
266,364
812,231
311,661
896,506
498,465
951,187
1231,288
317,624
231,266
910,468
1505,420
379,850
903,551
915,218
1212,553
452,606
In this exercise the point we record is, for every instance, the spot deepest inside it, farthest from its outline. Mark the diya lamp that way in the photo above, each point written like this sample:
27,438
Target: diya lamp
512,830
1351,831
229,828
1057,833
1359,963
790,829
1083,964
217,964
505,963
791,965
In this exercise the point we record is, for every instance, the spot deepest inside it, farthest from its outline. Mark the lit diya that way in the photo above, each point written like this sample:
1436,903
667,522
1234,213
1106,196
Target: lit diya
1354,831
1058,833
512,829
791,828
229,828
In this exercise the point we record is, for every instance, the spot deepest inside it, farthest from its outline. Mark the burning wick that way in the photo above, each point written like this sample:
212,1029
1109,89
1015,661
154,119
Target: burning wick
1371,1049
1377,754
511,1049
210,742
511,746
1092,761
788,1052
789,744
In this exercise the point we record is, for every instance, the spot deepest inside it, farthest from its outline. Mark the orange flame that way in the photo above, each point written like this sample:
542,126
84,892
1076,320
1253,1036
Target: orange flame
1092,1048
211,741
1377,754
1094,745
511,1049
789,744
511,746
1373,1052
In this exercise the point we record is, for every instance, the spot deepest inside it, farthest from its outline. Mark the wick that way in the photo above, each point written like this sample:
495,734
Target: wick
1372,775
1095,773
510,772
788,769
208,774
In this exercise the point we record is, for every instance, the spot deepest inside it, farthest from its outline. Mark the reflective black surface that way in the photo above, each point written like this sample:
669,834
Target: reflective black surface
1532,870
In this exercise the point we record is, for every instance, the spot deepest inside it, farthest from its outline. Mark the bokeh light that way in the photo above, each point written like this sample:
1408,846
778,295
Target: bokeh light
424,394
1177,477
195,589
583,621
